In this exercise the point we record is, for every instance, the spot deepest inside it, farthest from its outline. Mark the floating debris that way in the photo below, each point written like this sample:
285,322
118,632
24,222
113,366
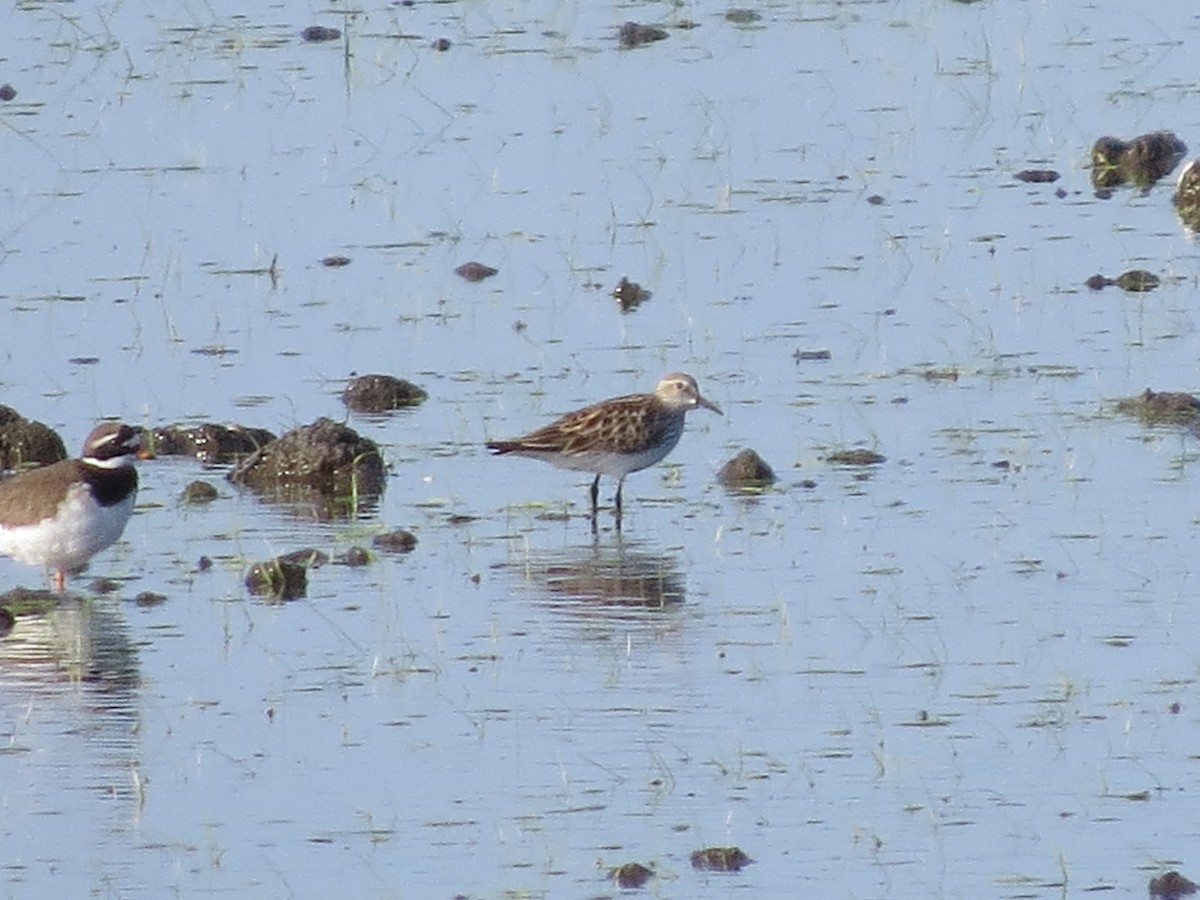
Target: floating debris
381,393
148,599
1037,176
934,373
747,472
1136,281
475,271
876,200
7,92
633,34
1141,161
857,457
1162,408
315,34
720,859
1187,195
1171,886
629,294
631,875
335,262
441,45
812,356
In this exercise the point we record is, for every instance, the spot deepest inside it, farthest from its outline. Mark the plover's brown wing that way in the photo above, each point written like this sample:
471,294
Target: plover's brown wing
28,497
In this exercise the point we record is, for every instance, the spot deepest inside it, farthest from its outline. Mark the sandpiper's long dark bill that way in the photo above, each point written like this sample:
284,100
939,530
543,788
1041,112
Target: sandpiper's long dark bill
614,437
62,515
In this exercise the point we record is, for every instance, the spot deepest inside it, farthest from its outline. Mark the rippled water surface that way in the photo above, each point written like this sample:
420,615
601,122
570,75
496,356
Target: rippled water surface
968,670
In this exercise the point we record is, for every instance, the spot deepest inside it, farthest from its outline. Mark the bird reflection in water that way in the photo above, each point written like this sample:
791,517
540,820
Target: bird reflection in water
74,640
606,581
70,672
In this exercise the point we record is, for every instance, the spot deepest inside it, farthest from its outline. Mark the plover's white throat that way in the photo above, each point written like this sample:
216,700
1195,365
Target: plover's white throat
62,515
614,437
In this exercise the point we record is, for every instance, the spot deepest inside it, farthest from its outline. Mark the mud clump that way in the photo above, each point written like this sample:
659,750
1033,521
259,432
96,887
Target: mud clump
629,294
634,34
1135,281
742,16
855,457
398,541
317,463
475,271
1187,196
747,472
198,493
24,442
1171,886
354,557
1162,408
278,580
631,875
208,442
720,859
309,557
1141,161
316,34
381,393
1037,176
21,601
285,577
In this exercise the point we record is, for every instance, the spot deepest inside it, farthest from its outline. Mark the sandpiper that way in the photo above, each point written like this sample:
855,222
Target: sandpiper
63,514
614,437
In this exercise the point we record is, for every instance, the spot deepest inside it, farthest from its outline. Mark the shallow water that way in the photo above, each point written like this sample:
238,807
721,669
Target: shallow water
968,669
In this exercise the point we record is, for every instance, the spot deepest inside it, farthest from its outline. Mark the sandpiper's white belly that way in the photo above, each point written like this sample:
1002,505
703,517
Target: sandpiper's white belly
81,529
606,462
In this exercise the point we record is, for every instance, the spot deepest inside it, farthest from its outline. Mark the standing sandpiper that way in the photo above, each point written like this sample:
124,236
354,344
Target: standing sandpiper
63,514
614,437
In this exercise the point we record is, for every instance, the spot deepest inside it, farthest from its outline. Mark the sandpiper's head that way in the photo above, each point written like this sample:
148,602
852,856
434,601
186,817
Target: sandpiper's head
112,441
679,391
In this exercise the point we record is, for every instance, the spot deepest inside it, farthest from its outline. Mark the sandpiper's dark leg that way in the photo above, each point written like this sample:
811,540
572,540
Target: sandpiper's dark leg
595,494
620,484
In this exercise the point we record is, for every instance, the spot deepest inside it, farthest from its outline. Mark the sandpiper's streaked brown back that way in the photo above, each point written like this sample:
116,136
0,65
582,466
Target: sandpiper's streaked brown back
617,436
